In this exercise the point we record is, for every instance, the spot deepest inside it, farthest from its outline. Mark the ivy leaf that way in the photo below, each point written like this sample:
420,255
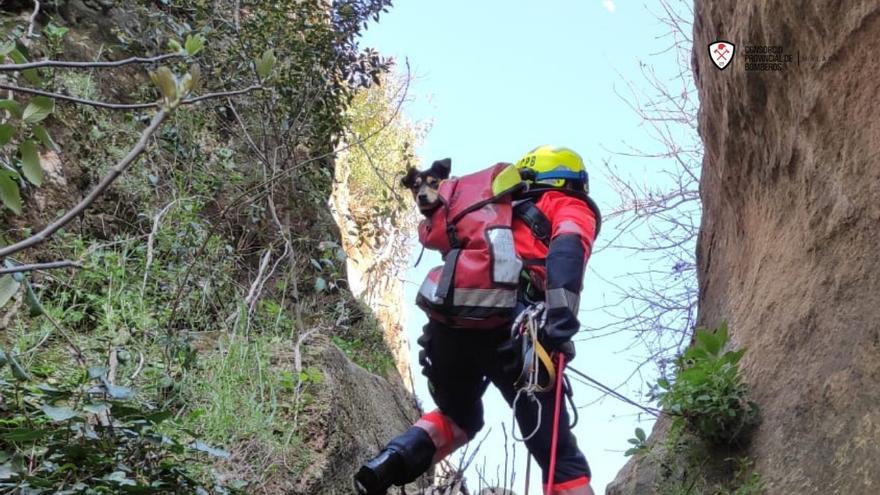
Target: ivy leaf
7,472
640,434
12,106
9,194
17,370
320,284
8,287
54,31
32,301
62,413
97,408
120,478
6,48
96,372
203,447
30,162
194,44
174,46
38,109
117,391
266,63
29,74
43,135
6,133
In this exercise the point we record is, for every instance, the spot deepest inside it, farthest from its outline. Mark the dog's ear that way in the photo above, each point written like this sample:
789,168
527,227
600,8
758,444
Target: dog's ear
441,168
408,180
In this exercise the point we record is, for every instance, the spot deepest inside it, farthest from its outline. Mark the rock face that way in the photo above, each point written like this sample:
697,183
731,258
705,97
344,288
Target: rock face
356,413
788,248
787,252
377,252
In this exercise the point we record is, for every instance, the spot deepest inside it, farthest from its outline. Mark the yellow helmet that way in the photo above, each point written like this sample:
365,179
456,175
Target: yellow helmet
553,165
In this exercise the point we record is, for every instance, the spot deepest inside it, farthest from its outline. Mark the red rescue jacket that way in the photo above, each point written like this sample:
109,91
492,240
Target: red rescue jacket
567,215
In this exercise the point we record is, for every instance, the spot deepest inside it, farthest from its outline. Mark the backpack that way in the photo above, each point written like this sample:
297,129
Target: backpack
476,287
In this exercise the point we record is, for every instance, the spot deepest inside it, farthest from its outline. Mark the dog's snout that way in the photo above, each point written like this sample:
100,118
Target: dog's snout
423,198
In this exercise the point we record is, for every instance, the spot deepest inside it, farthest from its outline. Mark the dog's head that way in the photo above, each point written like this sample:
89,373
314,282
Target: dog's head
424,184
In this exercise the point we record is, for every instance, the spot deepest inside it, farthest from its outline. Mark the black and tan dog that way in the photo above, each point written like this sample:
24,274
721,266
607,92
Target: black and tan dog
424,184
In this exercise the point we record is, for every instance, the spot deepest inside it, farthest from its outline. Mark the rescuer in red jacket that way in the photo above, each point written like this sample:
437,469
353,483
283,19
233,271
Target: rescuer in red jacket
553,225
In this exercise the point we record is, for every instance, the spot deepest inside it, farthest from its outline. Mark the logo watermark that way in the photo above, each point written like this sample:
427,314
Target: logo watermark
767,58
758,58
721,52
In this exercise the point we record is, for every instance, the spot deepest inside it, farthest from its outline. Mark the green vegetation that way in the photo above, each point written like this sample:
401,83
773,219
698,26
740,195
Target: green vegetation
639,443
87,435
380,155
689,466
710,417
708,395
168,360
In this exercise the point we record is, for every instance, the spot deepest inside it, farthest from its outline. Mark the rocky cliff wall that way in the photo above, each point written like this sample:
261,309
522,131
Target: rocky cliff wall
787,250
376,255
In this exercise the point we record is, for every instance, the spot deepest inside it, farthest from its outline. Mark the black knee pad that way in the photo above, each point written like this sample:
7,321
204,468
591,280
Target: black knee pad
417,450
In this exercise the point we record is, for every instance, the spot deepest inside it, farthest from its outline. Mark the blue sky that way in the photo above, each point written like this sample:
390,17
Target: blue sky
497,78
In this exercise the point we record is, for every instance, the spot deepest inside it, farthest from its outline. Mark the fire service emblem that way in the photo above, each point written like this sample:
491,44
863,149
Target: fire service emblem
721,53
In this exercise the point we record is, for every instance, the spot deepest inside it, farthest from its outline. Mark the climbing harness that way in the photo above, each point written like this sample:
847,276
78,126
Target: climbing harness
525,330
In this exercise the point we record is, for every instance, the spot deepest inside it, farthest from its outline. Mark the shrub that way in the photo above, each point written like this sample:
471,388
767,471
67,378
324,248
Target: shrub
708,394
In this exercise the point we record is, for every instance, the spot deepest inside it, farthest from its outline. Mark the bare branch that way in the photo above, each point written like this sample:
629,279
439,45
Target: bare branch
124,106
659,220
108,179
33,20
222,94
262,185
74,99
150,239
40,266
87,65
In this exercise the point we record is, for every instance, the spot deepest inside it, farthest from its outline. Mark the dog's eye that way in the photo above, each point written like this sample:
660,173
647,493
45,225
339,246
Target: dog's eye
433,181
417,182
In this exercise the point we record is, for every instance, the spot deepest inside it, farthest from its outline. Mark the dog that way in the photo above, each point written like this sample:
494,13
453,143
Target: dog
424,184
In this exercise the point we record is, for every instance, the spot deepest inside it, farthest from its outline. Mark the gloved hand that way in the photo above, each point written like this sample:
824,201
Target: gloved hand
567,349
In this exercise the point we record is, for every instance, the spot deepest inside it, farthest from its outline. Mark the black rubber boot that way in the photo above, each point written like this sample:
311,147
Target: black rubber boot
379,473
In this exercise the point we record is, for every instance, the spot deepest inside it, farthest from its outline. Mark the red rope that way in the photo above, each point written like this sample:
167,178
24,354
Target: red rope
551,476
